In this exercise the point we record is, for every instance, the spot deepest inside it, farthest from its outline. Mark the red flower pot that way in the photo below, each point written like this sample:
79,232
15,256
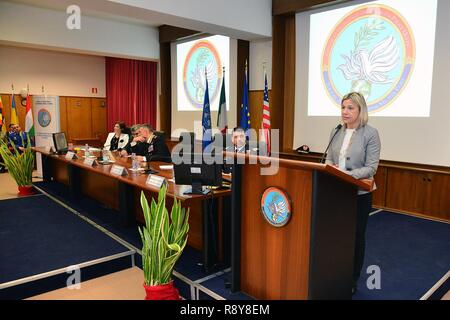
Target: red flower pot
25,190
162,292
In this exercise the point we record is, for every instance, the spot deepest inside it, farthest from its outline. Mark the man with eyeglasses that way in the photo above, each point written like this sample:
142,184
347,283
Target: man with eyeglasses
150,147
132,146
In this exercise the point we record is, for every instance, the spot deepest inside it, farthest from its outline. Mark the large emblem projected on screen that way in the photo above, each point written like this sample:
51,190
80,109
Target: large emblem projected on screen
202,61
378,63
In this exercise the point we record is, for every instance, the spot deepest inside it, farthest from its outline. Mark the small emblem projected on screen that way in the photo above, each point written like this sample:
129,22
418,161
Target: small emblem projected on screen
379,62
203,56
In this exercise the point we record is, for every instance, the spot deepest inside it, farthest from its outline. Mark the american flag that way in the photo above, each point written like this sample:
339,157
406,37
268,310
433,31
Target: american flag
265,132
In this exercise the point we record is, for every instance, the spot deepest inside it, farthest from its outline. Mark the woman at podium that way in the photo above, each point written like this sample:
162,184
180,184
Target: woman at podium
118,139
355,149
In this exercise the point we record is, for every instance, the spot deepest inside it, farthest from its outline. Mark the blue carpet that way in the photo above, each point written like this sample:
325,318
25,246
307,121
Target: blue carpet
95,211
188,264
38,235
412,253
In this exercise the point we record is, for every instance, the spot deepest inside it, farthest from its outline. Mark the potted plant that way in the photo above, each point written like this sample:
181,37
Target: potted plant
163,241
20,165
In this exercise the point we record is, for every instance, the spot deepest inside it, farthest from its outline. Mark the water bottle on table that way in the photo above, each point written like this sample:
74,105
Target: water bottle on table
105,155
134,162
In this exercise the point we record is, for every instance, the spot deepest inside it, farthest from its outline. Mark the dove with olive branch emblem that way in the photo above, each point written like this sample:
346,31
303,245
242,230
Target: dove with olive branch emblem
278,208
198,78
366,68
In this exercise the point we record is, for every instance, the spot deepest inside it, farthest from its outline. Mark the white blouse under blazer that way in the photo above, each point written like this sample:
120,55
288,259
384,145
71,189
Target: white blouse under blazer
123,140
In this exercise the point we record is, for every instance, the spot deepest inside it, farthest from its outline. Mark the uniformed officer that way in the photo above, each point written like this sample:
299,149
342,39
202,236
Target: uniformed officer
150,147
17,137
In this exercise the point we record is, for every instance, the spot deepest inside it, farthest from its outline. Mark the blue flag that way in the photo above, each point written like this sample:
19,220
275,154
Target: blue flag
206,120
245,112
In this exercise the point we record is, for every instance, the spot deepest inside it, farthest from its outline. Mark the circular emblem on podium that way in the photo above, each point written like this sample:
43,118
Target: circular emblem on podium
44,118
371,51
276,206
202,57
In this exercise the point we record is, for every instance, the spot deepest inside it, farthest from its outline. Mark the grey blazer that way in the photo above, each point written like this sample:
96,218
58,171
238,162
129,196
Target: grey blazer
363,153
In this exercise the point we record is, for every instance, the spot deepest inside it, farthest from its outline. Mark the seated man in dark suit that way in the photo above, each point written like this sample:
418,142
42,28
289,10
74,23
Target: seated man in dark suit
151,147
240,145
132,145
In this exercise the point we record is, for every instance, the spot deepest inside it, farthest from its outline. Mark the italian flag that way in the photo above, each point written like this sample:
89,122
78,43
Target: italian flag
29,125
222,122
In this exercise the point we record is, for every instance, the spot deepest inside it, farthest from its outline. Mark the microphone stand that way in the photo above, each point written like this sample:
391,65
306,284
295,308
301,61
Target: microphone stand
331,140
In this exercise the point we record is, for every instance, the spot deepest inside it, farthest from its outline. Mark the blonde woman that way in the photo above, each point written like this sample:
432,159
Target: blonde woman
356,150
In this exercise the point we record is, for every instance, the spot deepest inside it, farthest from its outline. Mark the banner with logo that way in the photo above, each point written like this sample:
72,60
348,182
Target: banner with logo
46,122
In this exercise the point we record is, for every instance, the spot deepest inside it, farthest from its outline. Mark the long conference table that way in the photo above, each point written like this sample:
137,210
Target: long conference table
209,215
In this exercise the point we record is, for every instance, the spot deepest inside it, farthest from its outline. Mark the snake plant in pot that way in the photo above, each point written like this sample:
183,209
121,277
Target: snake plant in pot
163,239
19,164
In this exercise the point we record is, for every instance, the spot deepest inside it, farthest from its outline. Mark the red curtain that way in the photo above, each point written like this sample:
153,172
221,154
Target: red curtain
131,91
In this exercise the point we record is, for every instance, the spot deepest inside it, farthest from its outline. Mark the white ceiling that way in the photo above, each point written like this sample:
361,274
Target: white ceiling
145,12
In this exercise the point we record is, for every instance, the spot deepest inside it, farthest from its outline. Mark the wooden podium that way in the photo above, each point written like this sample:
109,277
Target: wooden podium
311,257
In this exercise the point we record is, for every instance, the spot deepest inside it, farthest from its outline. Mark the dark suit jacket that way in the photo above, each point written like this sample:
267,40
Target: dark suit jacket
156,150
132,147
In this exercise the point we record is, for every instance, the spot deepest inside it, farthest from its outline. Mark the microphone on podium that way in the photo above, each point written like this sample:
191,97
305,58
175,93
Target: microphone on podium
339,126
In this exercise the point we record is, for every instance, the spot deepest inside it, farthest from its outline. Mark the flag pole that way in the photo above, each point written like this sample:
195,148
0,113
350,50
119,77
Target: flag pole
246,70
264,63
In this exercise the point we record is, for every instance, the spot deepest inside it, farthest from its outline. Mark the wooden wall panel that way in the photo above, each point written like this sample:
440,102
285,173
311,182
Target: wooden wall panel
63,114
437,195
79,118
379,195
289,85
165,98
278,68
283,79
99,128
418,192
85,121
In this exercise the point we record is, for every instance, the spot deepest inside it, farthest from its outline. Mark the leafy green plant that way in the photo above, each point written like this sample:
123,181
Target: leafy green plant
19,165
163,238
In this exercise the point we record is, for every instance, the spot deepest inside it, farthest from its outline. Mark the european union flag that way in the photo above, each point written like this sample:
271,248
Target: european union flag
206,120
245,112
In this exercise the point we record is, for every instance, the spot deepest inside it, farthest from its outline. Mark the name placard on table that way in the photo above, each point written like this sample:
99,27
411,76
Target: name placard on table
118,170
71,155
49,149
90,161
155,181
